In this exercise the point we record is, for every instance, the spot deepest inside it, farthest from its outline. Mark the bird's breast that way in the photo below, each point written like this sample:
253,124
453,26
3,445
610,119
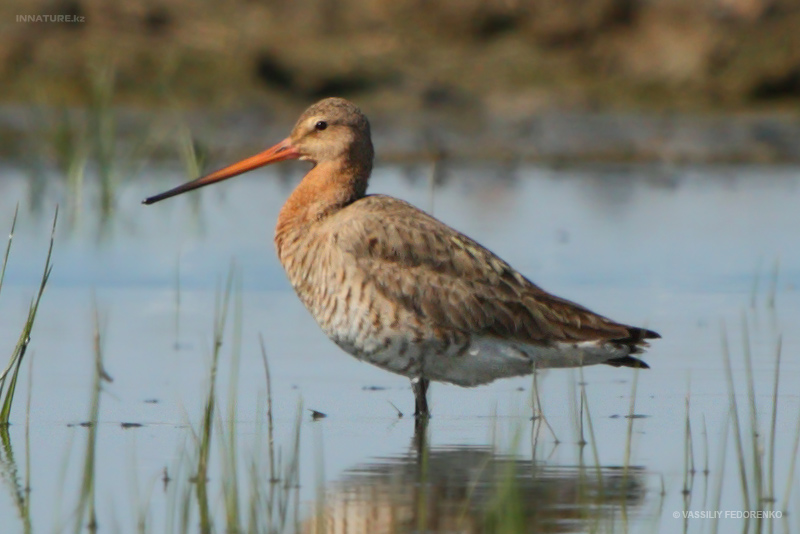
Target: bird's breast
347,305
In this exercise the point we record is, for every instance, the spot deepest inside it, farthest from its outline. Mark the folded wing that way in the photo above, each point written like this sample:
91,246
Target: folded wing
446,278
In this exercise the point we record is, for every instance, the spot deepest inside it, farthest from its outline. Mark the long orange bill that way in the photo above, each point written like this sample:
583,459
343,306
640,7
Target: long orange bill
280,152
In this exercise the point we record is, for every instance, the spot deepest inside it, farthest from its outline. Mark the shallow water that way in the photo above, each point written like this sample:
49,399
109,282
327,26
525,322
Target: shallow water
685,251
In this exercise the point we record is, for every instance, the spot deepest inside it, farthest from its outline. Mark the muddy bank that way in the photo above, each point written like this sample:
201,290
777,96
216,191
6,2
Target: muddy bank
56,137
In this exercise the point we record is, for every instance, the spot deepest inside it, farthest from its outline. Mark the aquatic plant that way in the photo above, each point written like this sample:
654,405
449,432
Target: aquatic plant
8,378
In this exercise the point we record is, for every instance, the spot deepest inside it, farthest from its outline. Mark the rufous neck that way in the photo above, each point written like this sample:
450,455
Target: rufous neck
327,188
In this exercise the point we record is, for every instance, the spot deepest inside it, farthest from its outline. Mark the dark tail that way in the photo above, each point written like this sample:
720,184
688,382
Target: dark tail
636,339
627,361
637,344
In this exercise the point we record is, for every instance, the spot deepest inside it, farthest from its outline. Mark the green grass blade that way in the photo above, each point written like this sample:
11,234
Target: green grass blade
734,415
8,246
25,337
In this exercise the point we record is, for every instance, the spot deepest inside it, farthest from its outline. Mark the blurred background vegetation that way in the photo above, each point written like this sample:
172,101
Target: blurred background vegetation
406,60
504,56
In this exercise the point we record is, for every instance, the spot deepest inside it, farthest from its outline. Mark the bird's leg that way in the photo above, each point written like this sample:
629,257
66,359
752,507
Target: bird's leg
420,387
420,441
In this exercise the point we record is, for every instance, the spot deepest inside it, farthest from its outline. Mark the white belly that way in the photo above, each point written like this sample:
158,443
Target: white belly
480,360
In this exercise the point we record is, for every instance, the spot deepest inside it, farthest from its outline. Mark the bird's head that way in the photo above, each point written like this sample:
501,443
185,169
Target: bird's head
331,130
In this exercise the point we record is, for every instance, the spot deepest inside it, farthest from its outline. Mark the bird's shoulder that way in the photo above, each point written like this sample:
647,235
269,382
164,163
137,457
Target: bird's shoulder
386,229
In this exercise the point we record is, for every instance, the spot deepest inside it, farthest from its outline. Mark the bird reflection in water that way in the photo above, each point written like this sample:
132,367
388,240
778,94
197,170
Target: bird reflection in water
470,489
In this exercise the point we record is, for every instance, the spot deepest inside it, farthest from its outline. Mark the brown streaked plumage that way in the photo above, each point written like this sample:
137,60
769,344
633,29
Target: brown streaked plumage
393,286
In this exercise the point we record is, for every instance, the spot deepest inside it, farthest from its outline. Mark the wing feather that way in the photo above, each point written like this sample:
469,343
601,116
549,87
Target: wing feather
447,279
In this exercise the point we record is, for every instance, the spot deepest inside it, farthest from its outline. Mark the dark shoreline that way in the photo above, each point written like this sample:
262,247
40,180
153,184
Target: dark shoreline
554,137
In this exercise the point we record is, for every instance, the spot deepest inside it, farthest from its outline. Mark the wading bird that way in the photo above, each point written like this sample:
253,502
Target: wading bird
397,288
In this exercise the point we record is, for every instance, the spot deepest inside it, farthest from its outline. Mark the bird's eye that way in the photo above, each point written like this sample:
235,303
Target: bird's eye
321,125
